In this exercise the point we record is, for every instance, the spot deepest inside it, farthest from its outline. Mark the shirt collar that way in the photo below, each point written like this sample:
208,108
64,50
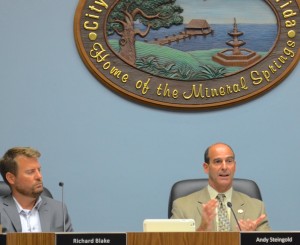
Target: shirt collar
213,193
36,206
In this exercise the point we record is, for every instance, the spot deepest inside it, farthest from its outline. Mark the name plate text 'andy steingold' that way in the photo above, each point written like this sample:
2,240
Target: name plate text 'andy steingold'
91,238
270,238
189,54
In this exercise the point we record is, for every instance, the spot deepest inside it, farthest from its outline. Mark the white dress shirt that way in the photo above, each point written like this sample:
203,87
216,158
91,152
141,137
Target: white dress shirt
30,219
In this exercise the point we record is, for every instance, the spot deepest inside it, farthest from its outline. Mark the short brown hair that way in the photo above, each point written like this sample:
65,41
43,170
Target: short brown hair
8,162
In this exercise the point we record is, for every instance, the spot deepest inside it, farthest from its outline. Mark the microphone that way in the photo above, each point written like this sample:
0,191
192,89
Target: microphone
61,184
229,204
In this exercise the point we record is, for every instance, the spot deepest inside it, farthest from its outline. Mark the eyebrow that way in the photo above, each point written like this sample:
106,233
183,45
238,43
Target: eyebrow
220,158
33,169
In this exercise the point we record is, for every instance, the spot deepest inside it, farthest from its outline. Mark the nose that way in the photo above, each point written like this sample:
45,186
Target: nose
224,164
38,175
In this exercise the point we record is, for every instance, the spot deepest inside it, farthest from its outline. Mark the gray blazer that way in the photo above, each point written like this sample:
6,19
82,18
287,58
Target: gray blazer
50,212
245,207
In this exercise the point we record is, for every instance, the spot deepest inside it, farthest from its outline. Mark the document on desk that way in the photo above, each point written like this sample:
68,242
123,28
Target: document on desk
169,225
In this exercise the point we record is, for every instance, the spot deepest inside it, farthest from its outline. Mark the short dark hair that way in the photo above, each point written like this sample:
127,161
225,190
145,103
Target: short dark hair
8,162
206,153
206,157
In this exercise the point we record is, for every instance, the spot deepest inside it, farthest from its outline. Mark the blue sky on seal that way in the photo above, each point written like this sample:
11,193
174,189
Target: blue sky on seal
224,11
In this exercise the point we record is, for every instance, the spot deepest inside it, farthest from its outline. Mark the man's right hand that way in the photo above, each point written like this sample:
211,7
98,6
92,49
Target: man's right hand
208,215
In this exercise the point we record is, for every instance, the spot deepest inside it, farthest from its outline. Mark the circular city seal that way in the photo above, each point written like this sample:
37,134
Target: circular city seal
188,54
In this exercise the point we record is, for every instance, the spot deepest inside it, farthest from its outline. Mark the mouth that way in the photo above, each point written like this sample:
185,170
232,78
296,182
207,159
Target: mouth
224,175
39,185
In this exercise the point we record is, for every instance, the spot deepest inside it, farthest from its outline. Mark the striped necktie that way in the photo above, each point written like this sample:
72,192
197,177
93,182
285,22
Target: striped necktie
223,220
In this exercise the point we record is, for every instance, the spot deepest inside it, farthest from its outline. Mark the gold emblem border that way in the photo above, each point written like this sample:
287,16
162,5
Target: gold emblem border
139,86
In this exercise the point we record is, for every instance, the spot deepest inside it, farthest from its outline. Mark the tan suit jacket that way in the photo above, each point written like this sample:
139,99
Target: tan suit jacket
244,207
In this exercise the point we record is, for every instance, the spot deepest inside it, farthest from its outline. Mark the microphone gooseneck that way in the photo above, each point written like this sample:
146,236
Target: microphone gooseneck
61,184
229,204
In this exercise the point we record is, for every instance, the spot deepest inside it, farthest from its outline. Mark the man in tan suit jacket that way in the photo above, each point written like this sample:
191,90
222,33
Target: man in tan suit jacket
202,205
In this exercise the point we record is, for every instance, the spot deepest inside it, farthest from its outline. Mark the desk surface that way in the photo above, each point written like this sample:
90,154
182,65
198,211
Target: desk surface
30,238
158,238
183,238
139,238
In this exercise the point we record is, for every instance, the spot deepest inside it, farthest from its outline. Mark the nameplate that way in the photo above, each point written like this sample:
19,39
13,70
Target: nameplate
91,238
270,238
2,239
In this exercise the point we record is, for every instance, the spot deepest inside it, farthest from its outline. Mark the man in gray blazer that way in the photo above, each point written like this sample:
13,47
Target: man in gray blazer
25,210
202,206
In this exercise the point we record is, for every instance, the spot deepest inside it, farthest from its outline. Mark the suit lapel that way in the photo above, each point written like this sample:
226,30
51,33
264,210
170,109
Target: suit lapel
238,208
44,216
203,198
10,208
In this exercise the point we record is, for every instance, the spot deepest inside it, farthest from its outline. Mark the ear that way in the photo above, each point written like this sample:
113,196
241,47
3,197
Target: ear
10,178
205,167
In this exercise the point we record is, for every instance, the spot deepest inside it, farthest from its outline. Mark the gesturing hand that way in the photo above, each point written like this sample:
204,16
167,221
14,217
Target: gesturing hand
251,225
208,215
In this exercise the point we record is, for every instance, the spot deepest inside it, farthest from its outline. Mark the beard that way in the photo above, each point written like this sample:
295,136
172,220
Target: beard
34,191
